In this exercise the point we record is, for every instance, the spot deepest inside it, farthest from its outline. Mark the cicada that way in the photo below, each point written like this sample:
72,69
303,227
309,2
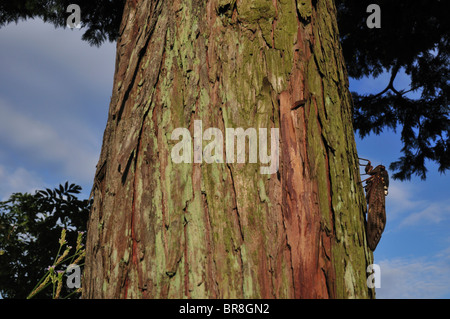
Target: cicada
376,190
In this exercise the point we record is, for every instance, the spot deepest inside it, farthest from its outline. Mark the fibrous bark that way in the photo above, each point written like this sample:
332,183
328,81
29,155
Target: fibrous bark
223,230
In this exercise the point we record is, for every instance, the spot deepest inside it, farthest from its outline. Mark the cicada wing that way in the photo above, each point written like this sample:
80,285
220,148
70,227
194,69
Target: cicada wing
376,217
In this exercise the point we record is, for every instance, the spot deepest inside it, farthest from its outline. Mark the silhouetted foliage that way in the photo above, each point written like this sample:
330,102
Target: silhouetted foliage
30,226
414,37
100,18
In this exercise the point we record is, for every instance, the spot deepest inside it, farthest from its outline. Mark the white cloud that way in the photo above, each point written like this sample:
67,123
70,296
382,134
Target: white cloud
414,278
40,143
33,40
53,100
402,198
433,213
18,180
407,205
55,77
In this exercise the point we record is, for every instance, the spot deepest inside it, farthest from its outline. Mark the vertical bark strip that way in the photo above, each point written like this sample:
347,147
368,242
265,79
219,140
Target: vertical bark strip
223,230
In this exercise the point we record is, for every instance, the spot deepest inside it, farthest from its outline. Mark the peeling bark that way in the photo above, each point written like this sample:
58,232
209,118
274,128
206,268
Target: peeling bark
223,230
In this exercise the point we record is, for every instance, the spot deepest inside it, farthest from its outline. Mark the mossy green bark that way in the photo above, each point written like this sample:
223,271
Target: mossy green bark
223,230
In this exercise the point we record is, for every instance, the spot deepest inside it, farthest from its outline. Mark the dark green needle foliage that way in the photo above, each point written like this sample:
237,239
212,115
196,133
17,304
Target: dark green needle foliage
100,19
414,38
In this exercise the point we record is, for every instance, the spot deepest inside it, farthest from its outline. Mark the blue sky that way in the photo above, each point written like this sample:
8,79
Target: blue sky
54,97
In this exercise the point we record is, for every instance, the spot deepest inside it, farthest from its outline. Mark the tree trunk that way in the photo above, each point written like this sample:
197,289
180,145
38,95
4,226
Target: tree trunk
160,229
